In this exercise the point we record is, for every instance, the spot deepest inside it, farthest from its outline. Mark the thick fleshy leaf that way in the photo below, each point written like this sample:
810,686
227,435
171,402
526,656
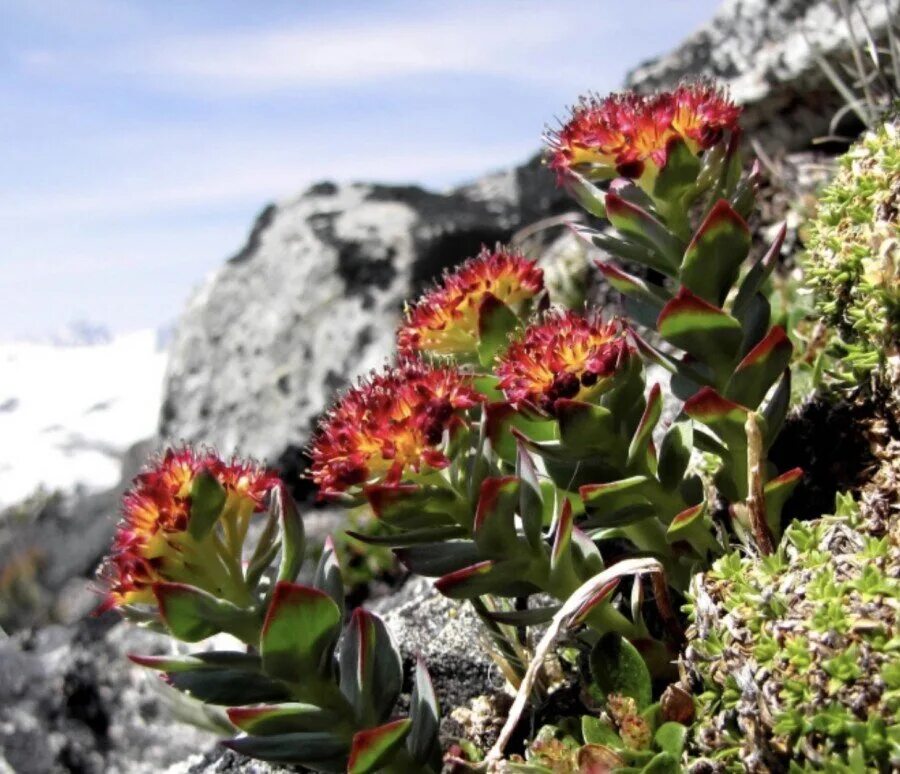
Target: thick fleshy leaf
643,437
319,750
776,492
562,536
293,538
776,409
504,578
287,718
598,597
691,527
714,256
724,417
679,174
228,687
531,497
433,559
675,454
216,659
502,422
496,321
301,628
640,226
663,763
533,616
617,667
207,501
374,747
268,545
755,323
328,576
757,372
412,537
410,506
585,428
757,275
598,731
423,743
495,517
634,287
192,614
701,329
617,503
625,249
670,738
586,557
591,198
371,670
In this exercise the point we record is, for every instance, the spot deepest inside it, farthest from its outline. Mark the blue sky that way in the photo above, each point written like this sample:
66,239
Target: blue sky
139,139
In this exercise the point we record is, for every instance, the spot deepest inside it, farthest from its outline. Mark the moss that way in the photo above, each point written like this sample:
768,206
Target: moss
853,264
794,659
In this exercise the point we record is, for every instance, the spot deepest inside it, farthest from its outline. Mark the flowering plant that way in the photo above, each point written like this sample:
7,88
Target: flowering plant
180,562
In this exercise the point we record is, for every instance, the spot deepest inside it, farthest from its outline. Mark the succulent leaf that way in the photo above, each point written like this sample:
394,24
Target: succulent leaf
618,668
373,747
496,321
317,749
293,538
759,369
192,614
207,501
423,743
640,226
286,718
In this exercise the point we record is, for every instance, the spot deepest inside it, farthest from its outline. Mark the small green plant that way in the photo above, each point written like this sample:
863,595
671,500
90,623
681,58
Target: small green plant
853,263
180,564
795,663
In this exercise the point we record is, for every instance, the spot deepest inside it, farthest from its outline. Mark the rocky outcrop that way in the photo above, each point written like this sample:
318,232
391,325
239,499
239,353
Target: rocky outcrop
764,51
313,300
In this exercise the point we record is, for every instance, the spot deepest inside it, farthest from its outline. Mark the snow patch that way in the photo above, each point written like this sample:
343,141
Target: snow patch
68,413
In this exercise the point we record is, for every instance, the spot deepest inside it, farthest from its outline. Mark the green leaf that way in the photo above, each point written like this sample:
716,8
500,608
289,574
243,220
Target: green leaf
776,409
531,498
675,454
724,417
319,750
586,194
691,526
216,659
192,614
670,738
301,628
533,616
640,226
758,274
617,503
634,287
776,493
679,174
714,256
293,539
617,667
597,731
328,575
562,537
228,687
625,249
374,747
757,372
496,321
503,578
433,559
663,763
411,506
207,501
586,557
291,717
412,537
495,516
371,671
585,428
643,437
423,743
701,329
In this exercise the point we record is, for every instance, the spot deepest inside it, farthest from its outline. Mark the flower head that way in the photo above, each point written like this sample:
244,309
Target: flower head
563,355
630,134
151,542
445,320
388,424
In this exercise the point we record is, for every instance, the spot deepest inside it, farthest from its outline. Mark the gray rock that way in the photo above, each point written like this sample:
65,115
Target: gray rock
763,51
70,701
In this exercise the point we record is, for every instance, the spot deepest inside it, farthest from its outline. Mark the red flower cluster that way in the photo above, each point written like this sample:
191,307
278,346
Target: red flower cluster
564,355
393,421
151,538
625,133
445,320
